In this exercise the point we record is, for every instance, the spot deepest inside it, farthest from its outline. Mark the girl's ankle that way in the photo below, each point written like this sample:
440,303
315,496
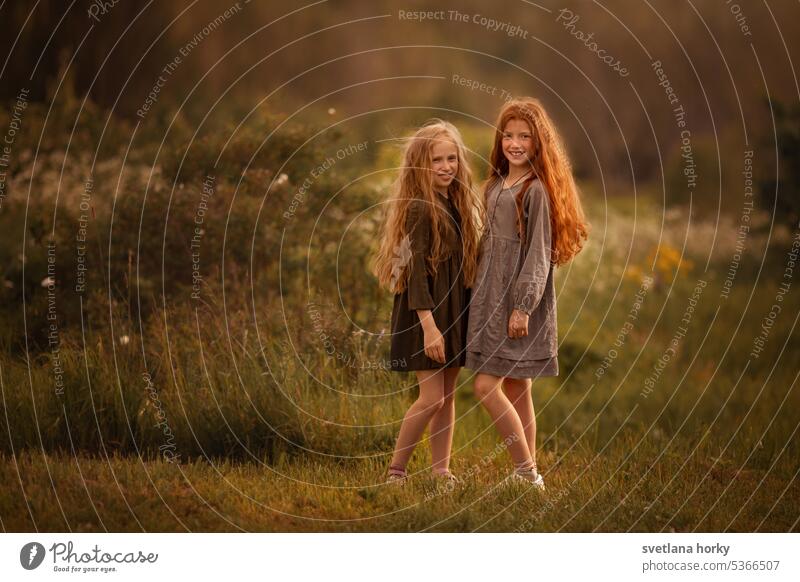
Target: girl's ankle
444,474
526,468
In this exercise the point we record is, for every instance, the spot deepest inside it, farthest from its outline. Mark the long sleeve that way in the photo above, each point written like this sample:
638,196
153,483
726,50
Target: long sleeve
530,285
418,229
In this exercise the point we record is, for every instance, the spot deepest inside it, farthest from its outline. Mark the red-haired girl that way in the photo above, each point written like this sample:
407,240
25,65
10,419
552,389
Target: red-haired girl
534,222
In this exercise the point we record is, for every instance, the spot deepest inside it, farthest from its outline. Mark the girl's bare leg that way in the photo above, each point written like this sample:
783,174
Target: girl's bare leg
505,417
429,402
442,424
519,394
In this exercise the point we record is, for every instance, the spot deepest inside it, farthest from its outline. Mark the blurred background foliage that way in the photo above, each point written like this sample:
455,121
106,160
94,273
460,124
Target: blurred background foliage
356,57
274,112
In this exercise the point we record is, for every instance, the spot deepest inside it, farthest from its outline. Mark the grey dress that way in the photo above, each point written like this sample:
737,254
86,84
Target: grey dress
511,277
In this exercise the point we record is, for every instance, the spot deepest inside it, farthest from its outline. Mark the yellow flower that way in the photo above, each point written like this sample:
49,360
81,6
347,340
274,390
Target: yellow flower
668,262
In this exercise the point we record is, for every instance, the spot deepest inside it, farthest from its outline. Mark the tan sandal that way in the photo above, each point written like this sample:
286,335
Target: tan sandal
396,476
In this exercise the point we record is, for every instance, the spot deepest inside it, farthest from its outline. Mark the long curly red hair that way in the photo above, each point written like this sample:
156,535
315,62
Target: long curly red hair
551,165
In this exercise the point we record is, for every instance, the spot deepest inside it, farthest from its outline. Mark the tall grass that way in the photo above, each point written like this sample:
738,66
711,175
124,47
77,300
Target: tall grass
306,382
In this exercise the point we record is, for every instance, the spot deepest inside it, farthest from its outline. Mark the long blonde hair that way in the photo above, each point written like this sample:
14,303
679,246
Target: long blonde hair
551,165
415,182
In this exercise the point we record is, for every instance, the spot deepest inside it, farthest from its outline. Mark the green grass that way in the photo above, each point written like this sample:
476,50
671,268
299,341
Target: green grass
633,485
707,450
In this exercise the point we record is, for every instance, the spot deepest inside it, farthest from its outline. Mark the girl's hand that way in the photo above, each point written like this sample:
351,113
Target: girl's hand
518,324
434,344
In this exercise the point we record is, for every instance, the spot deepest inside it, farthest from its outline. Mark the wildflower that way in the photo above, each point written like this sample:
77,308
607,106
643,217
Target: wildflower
668,262
634,273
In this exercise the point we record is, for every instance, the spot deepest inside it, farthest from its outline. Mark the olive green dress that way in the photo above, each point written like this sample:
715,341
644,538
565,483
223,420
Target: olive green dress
443,292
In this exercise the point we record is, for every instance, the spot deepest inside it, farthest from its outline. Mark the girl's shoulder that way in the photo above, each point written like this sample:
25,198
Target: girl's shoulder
536,192
536,187
417,205
490,186
494,183
418,210
536,199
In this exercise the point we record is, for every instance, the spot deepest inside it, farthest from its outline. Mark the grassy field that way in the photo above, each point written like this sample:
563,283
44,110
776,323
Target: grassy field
262,411
261,439
634,484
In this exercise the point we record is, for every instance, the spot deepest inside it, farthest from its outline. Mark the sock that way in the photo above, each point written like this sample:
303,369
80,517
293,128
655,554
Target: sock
525,467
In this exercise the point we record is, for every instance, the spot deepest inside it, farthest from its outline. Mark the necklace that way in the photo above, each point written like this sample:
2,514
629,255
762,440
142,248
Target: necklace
525,175
497,197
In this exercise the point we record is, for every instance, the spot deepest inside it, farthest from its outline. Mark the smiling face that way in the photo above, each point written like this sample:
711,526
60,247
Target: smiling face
518,144
444,163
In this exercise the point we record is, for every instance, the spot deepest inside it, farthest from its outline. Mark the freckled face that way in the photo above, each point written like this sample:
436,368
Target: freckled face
444,163
518,143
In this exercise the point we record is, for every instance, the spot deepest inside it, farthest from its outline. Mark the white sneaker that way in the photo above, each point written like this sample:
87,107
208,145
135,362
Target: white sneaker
527,478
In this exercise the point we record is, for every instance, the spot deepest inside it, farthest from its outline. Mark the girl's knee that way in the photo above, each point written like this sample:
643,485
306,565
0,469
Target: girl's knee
519,383
484,387
516,387
431,404
448,403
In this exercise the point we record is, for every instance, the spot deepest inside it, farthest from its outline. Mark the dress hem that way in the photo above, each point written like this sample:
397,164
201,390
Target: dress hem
517,369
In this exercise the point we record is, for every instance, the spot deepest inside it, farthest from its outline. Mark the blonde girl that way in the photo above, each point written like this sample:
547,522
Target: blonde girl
534,223
428,258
